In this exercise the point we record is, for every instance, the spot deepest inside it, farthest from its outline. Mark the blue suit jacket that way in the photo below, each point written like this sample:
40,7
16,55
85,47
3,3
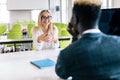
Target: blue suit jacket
95,56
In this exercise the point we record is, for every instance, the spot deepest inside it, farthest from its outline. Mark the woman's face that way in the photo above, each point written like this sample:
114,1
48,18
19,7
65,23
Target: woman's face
45,18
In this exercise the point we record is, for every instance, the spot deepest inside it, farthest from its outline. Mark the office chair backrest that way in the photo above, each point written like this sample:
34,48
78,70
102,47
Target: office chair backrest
14,35
29,27
16,27
3,29
62,29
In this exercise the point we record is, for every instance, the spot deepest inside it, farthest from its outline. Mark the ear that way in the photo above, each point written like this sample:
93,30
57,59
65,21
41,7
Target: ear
75,20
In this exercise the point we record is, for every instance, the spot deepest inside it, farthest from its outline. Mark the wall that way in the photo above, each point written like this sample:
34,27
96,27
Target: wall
70,5
20,15
116,3
55,14
63,15
27,4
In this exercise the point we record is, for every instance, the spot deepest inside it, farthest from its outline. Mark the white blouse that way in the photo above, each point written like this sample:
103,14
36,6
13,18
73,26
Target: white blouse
43,44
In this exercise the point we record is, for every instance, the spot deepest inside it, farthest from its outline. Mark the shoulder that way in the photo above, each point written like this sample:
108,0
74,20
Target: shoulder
35,29
55,29
69,50
113,37
106,39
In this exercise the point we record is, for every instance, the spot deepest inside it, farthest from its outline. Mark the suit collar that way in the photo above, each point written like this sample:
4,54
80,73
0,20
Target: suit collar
89,31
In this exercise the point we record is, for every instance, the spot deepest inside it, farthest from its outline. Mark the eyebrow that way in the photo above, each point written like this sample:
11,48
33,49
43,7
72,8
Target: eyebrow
46,16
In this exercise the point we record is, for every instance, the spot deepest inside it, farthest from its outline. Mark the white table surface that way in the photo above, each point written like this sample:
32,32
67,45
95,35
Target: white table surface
17,66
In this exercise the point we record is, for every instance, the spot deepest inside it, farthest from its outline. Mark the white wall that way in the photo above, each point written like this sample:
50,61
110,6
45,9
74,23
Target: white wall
20,15
70,5
55,14
27,4
63,15
116,3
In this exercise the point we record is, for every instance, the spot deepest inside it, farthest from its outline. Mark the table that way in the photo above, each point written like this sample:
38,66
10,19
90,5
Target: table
15,41
17,66
27,40
65,38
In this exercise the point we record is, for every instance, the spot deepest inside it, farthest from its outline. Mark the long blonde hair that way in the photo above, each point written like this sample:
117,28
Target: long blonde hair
51,27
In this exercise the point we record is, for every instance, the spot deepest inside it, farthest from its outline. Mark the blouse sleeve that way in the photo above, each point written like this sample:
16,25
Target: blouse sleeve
37,46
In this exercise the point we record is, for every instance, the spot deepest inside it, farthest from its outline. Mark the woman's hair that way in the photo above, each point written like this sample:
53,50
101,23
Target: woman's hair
50,26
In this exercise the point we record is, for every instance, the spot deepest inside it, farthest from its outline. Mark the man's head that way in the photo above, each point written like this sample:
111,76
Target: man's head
85,14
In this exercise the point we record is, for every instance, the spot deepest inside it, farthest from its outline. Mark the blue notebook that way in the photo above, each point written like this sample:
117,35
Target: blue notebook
43,63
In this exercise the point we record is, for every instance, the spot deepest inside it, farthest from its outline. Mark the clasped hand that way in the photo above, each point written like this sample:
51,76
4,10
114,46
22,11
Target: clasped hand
47,38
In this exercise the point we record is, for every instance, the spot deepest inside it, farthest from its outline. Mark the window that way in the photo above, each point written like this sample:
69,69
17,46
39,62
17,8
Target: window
106,3
34,14
66,6
4,13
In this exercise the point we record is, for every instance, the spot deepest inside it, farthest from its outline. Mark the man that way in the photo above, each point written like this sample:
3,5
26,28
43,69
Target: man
95,55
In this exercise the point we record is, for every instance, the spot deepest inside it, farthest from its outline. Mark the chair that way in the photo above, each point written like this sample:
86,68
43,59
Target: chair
29,27
14,35
58,25
24,23
62,31
3,29
16,27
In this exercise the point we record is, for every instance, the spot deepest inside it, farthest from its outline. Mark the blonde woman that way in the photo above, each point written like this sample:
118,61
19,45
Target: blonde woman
45,35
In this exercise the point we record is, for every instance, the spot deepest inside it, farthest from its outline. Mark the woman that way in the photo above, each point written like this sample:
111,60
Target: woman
45,35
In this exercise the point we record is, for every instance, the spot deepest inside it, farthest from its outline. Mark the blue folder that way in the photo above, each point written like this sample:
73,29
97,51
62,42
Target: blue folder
44,63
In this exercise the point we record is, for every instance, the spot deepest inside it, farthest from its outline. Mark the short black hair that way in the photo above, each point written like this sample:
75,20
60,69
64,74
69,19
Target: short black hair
87,14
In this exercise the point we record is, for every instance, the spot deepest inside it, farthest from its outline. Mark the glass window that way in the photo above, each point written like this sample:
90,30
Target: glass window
3,1
106,3
66,6
34,14
4,13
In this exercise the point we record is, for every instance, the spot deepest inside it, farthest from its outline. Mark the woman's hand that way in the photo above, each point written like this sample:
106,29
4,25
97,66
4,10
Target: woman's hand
43,37
53,39
47,38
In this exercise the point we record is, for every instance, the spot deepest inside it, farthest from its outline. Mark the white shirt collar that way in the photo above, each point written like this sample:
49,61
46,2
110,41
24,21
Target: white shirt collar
91,31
